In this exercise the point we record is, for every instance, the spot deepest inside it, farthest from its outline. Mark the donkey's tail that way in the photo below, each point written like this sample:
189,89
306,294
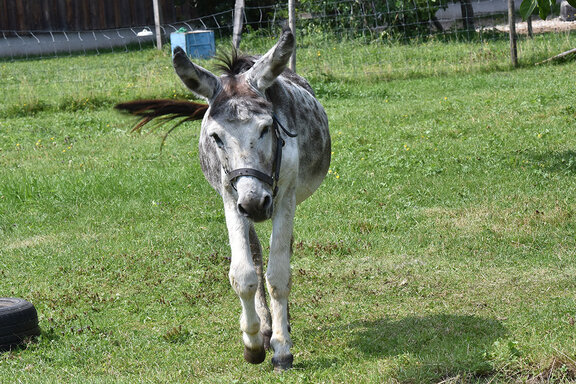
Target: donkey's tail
164,110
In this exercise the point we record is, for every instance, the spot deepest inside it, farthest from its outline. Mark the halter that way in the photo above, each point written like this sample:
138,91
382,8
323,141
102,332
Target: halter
271,180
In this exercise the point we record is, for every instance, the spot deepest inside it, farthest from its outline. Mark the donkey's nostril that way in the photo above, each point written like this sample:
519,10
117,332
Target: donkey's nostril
266,202
242,210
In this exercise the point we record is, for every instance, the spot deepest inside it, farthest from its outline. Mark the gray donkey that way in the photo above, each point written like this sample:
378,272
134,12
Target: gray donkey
264,147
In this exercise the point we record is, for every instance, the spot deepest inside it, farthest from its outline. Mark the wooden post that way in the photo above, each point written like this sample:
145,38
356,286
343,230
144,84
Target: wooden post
157,22
512,27
292,24
238,21
467,15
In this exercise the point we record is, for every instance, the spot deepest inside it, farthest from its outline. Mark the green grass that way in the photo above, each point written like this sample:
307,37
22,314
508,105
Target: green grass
440,247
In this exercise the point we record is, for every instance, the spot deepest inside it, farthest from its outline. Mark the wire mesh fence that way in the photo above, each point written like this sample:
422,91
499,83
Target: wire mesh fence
18,45
367,20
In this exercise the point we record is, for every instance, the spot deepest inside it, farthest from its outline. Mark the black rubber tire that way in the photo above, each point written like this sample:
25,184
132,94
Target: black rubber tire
18,322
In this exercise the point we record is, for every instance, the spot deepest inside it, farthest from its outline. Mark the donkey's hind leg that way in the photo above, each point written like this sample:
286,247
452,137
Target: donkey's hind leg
261,304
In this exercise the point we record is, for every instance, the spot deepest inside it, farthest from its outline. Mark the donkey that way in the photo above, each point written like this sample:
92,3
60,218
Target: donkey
264,147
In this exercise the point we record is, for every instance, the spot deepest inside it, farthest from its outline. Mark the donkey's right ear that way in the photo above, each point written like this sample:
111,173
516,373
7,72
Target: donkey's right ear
199,80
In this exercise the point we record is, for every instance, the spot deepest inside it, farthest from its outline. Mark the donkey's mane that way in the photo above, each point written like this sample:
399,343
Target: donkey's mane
234,63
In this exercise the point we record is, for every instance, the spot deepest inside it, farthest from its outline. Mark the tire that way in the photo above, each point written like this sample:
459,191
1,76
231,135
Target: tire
18,322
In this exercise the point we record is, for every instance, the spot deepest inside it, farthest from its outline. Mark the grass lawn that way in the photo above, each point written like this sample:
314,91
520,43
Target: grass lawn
441,246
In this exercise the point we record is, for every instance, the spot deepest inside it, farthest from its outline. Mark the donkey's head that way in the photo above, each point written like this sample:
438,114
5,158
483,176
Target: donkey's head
239,122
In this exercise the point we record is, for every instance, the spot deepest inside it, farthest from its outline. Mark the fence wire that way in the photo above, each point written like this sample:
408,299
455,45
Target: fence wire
399,20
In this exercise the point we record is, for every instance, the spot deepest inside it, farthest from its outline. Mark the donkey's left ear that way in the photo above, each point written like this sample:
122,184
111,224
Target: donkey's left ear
273,63
199,80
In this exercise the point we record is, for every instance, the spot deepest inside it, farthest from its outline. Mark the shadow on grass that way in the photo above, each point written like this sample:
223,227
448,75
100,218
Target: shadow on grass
421,349
561,162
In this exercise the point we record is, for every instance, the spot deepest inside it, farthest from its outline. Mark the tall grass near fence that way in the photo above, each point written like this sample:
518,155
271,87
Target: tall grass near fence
100,81
439,248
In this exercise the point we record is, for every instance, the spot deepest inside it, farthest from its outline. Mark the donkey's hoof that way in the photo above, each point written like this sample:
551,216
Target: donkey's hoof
283,363
266,336
254,356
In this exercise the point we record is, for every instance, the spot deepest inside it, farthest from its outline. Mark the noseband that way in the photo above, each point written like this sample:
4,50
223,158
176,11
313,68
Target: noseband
272,179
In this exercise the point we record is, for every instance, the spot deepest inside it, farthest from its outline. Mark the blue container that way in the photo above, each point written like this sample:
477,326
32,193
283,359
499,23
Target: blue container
197,44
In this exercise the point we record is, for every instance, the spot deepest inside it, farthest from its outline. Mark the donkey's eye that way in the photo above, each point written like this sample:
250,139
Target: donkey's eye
217,140
264,131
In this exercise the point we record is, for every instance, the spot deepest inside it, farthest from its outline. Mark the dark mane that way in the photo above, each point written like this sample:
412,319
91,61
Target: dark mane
233,63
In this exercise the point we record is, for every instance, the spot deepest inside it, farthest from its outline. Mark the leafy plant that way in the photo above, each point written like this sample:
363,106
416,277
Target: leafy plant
544,7
381,18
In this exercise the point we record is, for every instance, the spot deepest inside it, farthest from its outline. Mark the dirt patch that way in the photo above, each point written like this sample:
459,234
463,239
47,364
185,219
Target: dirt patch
30,242
540,26
561,369
471,220
514,220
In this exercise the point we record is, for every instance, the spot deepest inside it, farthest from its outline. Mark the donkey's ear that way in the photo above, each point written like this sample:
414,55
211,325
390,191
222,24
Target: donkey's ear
199,80
273,63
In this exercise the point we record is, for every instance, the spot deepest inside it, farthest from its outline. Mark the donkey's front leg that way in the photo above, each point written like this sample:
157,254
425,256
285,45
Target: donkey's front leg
279,281
244,281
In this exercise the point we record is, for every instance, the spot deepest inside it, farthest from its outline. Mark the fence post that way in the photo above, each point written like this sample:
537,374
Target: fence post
292,24
238,14
512,28
157,22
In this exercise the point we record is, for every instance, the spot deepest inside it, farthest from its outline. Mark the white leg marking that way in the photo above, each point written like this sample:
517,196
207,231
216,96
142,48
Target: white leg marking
243,277
278,275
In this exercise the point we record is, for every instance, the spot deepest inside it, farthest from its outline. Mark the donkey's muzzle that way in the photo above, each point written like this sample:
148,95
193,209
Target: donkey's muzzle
255,208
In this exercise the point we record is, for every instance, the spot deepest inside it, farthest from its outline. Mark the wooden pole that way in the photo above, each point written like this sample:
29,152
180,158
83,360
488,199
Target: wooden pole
292,24
157,22
563,54
512,27
238,21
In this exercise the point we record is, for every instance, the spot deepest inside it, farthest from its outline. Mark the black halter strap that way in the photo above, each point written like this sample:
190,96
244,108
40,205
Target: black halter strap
232,175
271,180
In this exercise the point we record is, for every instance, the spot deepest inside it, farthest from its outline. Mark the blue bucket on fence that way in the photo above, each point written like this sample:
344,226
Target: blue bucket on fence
197,44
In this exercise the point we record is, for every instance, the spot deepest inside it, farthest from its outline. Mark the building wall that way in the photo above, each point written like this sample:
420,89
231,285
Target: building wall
84,15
